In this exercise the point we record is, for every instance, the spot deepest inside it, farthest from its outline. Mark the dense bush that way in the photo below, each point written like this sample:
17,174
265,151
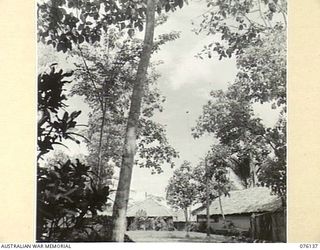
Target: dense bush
94,229
140,222
54,123
143,222
161,224
66,192
65,195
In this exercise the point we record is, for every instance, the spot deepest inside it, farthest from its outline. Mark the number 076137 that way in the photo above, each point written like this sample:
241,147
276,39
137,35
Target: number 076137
308,245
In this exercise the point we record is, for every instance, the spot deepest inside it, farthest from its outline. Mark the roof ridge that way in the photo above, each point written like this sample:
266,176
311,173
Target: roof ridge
135,204
153,203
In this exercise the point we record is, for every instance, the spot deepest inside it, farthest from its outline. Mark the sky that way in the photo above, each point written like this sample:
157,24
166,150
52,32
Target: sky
186,81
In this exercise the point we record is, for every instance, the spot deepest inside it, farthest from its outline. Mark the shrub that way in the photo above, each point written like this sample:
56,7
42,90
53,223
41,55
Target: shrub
95,229
65,195
140,222
160,224
170,226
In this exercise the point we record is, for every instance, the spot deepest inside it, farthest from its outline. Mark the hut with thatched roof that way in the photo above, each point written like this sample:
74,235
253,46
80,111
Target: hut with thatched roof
151,210
151,207
238,209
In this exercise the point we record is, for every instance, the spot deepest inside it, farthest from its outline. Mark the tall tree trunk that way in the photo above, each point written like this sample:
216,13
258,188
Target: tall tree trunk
129,150
207,202
187,221
104,109
221,209
252,170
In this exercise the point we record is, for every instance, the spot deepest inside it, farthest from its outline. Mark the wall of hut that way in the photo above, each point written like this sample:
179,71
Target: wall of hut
269,226
240,222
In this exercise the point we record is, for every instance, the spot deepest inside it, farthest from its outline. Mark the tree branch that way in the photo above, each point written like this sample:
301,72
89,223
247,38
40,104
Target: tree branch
90,75
261,14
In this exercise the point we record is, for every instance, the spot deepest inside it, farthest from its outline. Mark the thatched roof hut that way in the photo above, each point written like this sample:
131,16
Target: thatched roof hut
251,200
151,207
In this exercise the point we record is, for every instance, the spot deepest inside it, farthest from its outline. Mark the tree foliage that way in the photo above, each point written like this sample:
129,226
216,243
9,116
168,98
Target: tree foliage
66,23
201,177
241,24
262,70
66,193
230,117
273,172
106,80
213,171
181,189
65,189
52,127
254,33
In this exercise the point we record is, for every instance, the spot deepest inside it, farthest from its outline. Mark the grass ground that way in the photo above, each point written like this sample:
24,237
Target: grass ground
175,236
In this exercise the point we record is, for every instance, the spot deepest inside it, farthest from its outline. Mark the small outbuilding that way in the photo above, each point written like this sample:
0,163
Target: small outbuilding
241,210
151,209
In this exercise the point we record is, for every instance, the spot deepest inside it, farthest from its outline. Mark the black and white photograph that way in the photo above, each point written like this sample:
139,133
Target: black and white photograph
161,121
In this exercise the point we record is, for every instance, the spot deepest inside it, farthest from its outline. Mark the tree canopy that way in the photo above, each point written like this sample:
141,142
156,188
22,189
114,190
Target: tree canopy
67,23
106,81
254,33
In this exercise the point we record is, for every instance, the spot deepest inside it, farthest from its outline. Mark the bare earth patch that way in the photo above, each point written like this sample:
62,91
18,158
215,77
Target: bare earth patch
175,236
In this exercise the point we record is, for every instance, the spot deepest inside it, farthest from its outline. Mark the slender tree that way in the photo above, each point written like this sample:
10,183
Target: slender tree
122,195
109,76
181,191
61,28
216,172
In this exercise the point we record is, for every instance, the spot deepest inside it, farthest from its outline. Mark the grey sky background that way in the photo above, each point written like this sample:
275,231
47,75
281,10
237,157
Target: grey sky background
186,81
